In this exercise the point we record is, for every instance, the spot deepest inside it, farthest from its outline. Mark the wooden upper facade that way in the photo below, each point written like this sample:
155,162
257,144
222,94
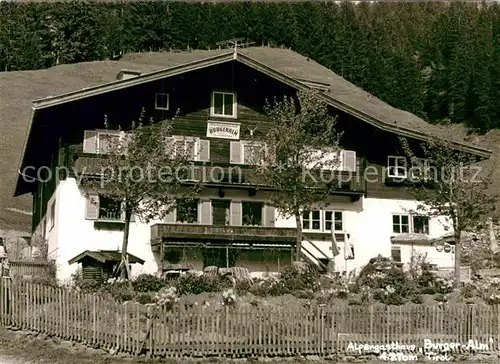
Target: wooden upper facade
219,106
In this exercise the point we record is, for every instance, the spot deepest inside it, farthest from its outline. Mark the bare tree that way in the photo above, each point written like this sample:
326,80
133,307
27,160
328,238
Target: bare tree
146,170
455,187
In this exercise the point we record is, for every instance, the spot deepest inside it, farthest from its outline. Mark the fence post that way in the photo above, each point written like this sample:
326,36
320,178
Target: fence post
150,325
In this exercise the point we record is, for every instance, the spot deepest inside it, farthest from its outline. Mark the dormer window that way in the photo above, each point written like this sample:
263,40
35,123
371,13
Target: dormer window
162,101
223,104
126,74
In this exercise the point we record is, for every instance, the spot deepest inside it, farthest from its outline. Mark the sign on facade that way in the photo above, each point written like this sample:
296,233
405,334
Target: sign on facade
223,130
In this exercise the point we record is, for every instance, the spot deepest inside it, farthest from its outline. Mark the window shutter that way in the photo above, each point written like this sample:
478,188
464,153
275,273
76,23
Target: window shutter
235,153
206,212
132,217
90,141
204,151
236,213
269,215
349,160
170,217
92,207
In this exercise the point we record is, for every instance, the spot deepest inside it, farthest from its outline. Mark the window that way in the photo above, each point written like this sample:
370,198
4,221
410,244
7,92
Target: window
402,224
396,254
189,146
324,159
187,211
396,167
320,220
52,216
333,218
251,152
420,168
106,141
223,104
420,224
109,209
252,213
162,101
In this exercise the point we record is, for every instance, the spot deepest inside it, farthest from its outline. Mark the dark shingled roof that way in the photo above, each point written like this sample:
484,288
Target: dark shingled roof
104,256
19,89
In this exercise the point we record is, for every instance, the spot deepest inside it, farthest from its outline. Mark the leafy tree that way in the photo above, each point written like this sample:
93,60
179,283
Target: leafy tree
145,170
460,187
300,147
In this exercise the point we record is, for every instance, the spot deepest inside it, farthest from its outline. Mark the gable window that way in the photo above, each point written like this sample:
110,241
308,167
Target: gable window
321,220
223,104
187,211
252,213
109,209
396,167
406,223
162,101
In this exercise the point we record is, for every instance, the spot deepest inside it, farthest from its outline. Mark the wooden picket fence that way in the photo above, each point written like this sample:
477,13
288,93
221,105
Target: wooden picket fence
22,268
241,330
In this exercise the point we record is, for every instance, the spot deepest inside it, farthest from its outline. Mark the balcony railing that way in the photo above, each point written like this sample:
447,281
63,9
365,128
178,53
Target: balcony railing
195,232
238,176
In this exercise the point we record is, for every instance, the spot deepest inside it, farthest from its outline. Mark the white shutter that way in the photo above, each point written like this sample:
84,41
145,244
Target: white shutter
90,141
170,217
235,213
235,153
269,216
349,160
204,150
92,207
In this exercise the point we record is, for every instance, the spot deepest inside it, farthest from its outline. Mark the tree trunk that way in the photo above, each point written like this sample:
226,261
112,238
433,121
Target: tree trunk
458,251
124,261
298,245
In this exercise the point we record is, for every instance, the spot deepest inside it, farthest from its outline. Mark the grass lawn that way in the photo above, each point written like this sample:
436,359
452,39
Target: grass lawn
17,348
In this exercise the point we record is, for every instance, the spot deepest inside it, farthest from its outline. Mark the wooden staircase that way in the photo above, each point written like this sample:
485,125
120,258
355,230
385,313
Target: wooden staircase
320,259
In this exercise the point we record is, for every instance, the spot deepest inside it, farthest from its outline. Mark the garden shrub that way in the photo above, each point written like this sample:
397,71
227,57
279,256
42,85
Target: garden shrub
193,284
144,298
243,286
148,283
167,297
121,291
296,280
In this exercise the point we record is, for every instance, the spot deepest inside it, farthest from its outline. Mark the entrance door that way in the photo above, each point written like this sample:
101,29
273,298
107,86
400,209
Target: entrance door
220,212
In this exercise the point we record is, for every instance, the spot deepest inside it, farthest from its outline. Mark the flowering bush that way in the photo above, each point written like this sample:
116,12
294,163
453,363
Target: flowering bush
148,283
444,285
167,297
228,298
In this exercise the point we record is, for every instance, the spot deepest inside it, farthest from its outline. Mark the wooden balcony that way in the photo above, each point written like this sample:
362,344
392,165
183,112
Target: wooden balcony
241,176
194,233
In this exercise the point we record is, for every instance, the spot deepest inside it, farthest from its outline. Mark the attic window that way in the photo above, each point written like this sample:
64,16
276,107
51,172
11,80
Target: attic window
126,74
162,101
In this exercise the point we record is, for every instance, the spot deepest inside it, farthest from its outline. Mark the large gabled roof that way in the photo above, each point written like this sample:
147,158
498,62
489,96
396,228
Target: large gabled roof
63,83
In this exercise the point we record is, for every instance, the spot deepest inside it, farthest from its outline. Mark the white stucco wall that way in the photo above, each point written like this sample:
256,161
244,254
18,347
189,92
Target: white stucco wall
369,223
75,234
